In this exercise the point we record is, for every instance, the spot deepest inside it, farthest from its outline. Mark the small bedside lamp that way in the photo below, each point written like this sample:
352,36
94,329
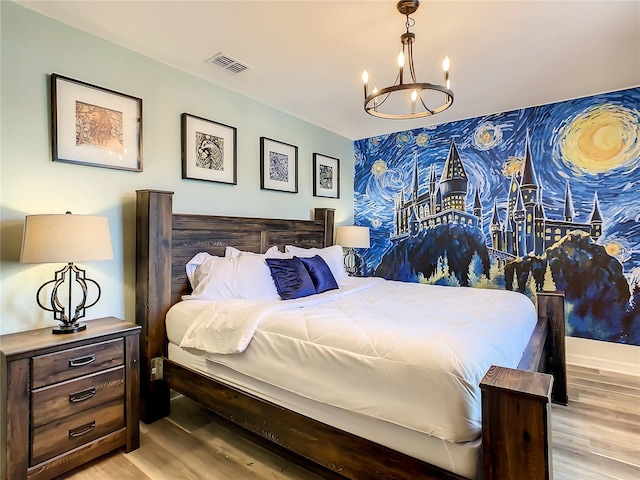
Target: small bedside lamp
66,238
352,237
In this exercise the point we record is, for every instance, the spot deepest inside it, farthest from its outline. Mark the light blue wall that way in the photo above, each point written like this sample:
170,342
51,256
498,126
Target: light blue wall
34,46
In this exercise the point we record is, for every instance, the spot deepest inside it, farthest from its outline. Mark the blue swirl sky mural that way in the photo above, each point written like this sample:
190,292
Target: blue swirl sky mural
573,167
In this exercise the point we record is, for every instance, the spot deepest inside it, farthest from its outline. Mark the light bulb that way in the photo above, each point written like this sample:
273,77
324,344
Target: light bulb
365,81
401,60
446,63
414,95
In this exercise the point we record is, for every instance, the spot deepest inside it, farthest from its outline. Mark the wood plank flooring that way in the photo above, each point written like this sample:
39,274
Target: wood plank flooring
596,437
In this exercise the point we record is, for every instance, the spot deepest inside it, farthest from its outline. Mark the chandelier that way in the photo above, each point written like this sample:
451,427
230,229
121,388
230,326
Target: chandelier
408,100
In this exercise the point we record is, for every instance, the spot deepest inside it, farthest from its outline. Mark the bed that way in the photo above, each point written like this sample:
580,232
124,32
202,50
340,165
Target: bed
324,437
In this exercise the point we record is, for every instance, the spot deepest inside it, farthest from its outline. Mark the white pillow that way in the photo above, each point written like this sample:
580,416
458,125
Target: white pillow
332,255
243,275
253,274
254,279
234,252
214,278
192,264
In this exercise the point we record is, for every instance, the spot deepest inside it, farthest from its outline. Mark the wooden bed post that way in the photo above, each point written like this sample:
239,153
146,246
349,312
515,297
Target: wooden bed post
153,293
516,425
516,418
551,307
326,215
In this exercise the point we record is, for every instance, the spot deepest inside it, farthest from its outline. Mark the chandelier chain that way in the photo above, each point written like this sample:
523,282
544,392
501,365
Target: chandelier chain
409,23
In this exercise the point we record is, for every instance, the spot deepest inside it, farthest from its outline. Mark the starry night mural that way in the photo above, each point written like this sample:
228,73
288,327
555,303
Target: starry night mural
542,198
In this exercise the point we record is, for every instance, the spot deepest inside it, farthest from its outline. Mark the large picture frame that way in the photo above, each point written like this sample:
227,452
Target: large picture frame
209,150
95,126
278,166
326,176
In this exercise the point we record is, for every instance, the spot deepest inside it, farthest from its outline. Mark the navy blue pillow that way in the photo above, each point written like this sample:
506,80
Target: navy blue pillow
291,278
320,273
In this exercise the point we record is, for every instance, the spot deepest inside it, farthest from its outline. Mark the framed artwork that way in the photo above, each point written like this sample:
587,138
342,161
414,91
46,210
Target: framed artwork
95,126
209,150
278,166
326,176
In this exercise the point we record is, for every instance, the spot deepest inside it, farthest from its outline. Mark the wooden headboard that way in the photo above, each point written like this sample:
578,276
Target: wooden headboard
165,242
178,237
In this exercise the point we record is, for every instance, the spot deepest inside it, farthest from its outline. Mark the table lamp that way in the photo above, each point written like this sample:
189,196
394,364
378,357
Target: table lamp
352,237
66,238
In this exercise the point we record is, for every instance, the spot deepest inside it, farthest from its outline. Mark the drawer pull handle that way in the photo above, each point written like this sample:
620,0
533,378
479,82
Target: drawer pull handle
82,430
82,396
82,361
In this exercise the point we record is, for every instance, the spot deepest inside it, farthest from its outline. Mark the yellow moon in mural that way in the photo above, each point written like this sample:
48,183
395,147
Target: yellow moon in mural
601,139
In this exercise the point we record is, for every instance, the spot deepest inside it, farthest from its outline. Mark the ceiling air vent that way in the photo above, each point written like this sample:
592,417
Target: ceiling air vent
227,63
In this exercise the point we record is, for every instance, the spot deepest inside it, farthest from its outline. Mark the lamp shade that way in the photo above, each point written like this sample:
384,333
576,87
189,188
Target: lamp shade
353,237
65,238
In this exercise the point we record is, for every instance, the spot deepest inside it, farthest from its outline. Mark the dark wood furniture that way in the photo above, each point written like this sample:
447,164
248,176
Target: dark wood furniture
69,398
166,241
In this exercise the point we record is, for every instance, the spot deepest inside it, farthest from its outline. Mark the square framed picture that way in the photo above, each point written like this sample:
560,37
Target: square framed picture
209,150
95,126
326,176
278,166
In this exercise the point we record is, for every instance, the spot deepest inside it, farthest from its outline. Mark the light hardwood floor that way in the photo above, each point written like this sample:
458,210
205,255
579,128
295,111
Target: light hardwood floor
596,437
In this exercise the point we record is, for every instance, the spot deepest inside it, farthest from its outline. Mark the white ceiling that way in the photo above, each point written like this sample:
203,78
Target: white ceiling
308,56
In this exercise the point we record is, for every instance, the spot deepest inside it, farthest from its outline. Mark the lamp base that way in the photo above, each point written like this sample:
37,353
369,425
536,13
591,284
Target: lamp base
73,328
71,273
350,261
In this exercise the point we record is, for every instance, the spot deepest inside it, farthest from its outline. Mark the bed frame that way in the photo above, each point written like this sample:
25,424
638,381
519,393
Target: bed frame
515,403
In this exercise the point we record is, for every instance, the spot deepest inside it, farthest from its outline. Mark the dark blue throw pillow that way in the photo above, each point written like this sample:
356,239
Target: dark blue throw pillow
320,273
291,278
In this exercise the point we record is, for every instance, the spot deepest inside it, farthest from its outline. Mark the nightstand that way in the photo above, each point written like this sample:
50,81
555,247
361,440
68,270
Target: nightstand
67,399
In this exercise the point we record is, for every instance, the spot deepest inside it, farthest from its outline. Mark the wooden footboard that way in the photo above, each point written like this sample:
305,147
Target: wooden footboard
516,430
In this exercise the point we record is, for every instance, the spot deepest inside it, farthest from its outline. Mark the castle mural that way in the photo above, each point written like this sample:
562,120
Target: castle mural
546,198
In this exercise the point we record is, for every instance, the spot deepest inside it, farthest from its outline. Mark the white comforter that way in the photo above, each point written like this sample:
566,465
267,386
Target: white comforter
227,326
406,353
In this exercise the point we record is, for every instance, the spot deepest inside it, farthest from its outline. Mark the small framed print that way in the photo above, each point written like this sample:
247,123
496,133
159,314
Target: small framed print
326,176
209,150
278,166
95,126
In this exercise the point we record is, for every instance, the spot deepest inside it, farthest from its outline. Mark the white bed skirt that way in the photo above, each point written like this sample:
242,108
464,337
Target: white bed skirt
460,458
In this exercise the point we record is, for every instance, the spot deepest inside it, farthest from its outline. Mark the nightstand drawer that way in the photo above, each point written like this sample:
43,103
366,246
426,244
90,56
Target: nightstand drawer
73,396
63,435
74,362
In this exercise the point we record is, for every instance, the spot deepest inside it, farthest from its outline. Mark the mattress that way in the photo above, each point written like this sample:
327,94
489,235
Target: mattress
406,354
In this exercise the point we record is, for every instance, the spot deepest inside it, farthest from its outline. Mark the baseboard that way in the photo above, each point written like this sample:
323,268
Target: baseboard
614,357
